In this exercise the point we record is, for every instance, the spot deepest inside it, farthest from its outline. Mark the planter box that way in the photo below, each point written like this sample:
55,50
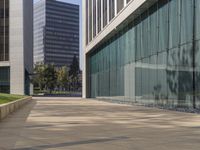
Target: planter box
8,108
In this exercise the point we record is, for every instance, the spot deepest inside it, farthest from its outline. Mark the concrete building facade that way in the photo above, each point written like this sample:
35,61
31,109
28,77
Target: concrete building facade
16,46
142,51
56,32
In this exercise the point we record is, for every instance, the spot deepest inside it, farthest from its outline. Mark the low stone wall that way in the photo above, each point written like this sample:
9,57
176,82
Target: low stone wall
8,108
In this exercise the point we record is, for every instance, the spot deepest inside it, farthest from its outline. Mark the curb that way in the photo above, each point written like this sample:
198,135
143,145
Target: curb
8,108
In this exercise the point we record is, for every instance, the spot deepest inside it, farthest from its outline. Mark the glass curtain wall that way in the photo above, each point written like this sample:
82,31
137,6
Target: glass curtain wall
4,80
197,53
154,60
4,30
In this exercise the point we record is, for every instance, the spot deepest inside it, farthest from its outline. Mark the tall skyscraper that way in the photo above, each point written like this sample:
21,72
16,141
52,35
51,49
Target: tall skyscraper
142,51
16,46
56,32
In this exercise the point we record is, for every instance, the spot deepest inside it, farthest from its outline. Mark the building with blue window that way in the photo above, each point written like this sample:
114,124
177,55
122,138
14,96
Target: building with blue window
16,46
142,51
56,32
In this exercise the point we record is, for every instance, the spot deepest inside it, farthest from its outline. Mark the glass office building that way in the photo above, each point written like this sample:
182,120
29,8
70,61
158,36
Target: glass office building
152,57
16,57
56,32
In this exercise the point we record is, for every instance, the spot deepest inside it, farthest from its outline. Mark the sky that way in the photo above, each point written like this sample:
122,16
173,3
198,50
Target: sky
78,2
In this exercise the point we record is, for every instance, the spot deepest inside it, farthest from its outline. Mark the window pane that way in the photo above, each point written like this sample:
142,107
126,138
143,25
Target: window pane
163,25
105,14
186,21
111,9
90,20
120,5
174,23
99,15
197,19
4,79
94,18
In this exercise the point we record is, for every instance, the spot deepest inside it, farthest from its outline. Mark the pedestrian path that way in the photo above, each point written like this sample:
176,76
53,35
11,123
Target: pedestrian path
80,124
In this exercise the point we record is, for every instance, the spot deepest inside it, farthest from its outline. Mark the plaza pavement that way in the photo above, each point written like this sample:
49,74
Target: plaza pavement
80,124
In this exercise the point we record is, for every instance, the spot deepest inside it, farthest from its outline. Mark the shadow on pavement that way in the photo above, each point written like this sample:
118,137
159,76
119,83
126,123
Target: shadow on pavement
59,145
60,95
11,127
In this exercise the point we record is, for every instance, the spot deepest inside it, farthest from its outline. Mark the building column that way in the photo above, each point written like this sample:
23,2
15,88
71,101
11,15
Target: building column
108,13
115,8
17,73
84,46
125,2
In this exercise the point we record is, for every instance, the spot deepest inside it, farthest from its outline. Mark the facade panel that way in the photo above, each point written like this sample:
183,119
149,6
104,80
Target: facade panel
20,45
99,13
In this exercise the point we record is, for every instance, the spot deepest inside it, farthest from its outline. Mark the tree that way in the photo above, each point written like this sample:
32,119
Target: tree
74,67
50,77
74,72
38,78
63,77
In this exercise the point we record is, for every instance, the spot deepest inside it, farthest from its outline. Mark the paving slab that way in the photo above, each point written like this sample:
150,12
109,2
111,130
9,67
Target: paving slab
82,124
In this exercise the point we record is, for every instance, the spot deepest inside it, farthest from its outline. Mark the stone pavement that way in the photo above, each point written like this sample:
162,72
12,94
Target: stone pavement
79,124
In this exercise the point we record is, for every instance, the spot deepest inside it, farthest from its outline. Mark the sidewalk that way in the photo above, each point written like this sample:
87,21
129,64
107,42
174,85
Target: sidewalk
76,124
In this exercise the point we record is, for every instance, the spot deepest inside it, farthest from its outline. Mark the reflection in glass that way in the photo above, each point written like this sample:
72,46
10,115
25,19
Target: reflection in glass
152,59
